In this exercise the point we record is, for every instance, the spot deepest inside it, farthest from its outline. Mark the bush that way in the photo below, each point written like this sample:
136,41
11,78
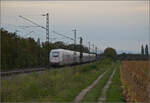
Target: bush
110,53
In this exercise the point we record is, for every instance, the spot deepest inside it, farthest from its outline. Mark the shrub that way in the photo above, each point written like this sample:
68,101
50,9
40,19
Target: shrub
110,53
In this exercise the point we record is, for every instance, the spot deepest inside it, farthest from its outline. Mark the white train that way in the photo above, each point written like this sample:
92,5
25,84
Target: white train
60,57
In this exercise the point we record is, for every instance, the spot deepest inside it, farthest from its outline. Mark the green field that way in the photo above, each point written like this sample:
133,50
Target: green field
52,85
56,85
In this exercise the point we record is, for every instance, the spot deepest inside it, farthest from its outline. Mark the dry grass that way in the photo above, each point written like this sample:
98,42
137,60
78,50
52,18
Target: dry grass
134,77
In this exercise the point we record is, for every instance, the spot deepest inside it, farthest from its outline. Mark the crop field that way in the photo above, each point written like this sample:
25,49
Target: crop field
134,77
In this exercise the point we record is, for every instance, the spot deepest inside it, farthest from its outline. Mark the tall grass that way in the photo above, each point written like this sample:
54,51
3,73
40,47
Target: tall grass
95,93
114,92
59,85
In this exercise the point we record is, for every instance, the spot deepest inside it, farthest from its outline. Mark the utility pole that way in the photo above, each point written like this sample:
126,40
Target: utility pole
75,60
47,36
89,47
47,26
38,42
81,49
96,51
89,50
74,38
93,48
16,44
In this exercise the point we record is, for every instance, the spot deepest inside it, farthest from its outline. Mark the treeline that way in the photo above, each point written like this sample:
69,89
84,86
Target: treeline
18,52
125,56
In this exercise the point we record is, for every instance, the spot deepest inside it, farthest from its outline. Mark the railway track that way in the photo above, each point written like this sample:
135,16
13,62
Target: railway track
15,72
29,70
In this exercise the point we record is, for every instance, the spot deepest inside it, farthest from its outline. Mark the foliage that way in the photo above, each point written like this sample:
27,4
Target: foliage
110,53
146,50
142,50
18,52
125,56
57,85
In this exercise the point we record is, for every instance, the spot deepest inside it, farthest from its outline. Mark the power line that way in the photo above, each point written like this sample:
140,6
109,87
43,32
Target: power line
31,22
37,25
63,35
27,26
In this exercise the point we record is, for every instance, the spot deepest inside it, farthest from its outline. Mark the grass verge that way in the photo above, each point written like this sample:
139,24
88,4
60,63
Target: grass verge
114,92
59,85
95,93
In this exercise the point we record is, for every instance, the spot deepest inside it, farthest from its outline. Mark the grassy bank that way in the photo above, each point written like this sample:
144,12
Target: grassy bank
60,85
95,93
114,92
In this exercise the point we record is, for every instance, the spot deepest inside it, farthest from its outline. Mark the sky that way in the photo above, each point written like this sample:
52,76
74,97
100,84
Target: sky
123,25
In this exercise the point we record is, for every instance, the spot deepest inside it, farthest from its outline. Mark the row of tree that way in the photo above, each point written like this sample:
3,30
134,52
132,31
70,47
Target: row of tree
143,56
144,51
18,52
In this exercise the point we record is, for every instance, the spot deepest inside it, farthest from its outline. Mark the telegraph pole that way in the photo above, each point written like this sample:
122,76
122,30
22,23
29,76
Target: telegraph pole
89,50
74,44
93,48
16,44
89,47
74,38
81,49
47,26
96,51
47,35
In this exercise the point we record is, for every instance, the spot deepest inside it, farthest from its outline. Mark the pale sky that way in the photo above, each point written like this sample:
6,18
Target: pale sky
123,25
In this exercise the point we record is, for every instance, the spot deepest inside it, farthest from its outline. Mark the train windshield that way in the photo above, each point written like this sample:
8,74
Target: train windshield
55,54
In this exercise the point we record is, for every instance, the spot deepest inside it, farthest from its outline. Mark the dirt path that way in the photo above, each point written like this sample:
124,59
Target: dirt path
102,98
84,91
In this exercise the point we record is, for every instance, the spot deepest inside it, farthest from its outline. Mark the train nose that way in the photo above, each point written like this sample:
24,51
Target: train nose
55,60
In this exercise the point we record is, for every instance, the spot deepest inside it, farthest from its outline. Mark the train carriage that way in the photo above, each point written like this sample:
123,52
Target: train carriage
60,57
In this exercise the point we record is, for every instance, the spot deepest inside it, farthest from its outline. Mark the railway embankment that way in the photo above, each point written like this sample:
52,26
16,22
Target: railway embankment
55,85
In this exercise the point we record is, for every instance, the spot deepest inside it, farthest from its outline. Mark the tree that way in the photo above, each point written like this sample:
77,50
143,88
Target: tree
110,53
142,50
19,52
146,50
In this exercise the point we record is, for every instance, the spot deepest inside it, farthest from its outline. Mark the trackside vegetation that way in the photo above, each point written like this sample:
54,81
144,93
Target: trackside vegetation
114,92
57,85
18,52
95,93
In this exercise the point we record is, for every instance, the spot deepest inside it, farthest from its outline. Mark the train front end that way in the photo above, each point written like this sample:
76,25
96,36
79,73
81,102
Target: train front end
55,58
